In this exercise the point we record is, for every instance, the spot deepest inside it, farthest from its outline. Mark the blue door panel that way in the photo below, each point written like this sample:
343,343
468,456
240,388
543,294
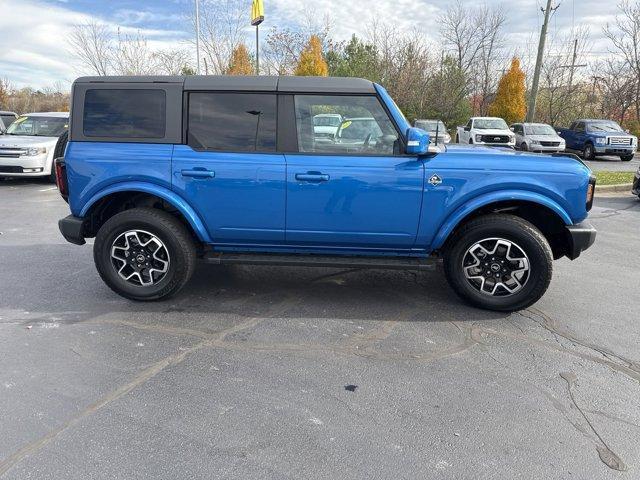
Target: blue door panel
353,201
240,196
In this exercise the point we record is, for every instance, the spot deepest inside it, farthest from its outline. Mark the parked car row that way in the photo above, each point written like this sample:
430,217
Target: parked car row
588,138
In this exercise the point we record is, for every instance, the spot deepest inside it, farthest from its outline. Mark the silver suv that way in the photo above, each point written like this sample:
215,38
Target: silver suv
537,137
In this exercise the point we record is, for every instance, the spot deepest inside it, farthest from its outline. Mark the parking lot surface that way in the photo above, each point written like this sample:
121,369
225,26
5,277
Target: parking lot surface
267,372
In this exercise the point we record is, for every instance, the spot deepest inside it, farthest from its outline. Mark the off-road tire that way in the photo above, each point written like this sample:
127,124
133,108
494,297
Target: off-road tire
174,235
514,229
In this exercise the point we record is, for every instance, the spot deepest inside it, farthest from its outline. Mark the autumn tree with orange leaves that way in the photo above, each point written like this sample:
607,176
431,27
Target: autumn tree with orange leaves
240,63
510,102
311,62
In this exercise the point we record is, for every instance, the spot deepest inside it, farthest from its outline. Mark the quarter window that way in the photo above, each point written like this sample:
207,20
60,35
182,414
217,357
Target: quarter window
124,113
362,126
233,122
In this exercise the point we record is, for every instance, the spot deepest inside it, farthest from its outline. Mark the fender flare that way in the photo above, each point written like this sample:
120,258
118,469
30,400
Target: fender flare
167,195
454,219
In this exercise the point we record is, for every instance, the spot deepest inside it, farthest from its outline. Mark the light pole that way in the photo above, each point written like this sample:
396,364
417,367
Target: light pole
197,38
257,17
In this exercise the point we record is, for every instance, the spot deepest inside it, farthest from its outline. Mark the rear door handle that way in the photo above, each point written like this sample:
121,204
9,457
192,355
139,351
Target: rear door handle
198,173
312,177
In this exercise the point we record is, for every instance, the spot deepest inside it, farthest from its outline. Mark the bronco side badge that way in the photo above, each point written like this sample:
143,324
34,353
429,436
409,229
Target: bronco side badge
435,180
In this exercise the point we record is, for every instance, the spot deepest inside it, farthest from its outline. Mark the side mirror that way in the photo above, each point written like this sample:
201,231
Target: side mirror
417,141
466,129
513,129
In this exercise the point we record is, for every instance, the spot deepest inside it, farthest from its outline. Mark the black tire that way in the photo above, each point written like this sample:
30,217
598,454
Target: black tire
513,229
589,152
58,151
169,230
626,158
524,147
457,138
471,141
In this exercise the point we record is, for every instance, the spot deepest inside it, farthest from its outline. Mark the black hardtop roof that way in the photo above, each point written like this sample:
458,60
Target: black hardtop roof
249,83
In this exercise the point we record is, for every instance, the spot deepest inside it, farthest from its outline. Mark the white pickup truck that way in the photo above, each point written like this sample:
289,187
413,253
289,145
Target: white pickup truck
486,131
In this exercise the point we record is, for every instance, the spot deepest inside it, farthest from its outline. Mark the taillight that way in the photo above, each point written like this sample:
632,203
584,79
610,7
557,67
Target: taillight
591,190
61,178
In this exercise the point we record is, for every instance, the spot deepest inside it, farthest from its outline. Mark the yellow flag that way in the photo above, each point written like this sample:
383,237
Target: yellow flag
257,12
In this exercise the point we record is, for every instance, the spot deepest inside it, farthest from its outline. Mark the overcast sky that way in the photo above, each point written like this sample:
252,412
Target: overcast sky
33,50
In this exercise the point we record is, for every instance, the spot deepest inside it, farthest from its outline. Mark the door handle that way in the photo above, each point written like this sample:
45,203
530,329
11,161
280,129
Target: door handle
198,173
312,177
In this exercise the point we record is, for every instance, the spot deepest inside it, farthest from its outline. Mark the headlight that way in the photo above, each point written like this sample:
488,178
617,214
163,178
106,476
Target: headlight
33,151
478,138
601,141
535,142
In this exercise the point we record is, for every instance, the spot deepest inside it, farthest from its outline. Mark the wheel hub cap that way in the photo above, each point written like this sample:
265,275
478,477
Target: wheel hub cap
496,267
140,258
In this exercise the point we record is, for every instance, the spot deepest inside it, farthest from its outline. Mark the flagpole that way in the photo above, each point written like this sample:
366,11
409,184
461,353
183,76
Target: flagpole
197,38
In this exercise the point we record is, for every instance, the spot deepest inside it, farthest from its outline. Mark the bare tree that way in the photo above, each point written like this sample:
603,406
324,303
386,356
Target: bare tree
222,25
172,62
616,87
91,44
476,38
132,55
561,98
624,35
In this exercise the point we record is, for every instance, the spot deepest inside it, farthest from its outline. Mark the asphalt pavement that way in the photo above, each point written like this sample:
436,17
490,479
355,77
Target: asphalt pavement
256,373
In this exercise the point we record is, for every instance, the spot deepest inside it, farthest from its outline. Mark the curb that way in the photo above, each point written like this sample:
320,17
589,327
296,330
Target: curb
623,187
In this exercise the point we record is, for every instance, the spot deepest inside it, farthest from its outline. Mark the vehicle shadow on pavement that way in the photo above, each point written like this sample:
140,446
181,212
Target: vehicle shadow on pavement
71,291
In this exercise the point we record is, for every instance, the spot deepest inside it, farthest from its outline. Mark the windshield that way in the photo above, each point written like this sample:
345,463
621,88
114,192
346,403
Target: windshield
38,126
540,130
487,123
431,125
604,127
359,129
329,121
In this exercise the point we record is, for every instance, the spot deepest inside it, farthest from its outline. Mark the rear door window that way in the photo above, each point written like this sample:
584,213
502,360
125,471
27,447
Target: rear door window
232,122
124,113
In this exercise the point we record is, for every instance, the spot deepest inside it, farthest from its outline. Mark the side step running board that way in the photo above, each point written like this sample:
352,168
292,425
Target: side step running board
302,260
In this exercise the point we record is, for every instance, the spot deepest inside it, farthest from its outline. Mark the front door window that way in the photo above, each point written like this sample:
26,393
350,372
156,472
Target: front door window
344,125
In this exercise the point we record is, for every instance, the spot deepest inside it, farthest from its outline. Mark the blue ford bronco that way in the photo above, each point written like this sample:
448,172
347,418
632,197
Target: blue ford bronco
165,170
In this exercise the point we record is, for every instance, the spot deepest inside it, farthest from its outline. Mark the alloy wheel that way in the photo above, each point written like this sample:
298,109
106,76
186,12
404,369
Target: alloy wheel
496,267
140,258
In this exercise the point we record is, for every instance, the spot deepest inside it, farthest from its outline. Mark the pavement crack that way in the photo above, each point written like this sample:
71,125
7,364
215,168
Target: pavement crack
608,456
144,376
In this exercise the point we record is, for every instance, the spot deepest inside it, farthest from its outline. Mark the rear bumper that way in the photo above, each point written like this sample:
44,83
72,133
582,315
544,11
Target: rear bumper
72,229
581,237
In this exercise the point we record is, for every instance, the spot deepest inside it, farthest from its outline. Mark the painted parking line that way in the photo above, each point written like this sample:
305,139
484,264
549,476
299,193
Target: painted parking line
48,189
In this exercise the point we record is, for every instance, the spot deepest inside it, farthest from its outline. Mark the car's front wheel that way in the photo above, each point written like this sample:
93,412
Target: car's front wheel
499,262
589,153
144,254
626,158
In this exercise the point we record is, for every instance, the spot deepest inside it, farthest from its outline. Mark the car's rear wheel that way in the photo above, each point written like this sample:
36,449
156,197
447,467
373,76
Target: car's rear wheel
499,262
589,153
144,254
